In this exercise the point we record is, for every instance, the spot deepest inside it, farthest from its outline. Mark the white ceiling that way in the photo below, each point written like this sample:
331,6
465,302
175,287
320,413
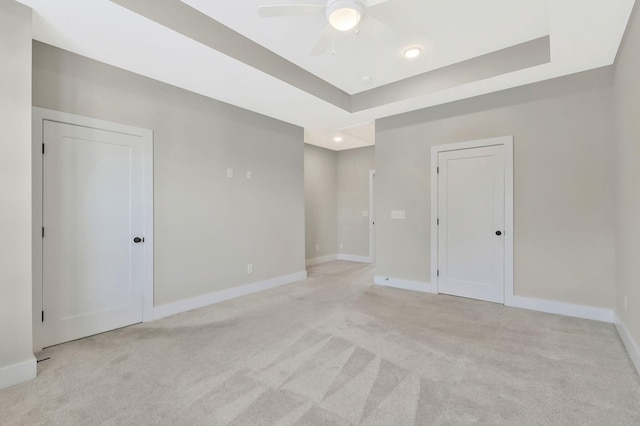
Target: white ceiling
357,136
449,31
584,34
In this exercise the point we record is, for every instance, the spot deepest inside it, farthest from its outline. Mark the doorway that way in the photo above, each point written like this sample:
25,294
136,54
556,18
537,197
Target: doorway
95,271
472,226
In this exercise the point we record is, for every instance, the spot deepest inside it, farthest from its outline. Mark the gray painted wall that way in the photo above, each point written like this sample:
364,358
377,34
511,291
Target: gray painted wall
353,198
207,227
627,95
564,172
15,193
320,184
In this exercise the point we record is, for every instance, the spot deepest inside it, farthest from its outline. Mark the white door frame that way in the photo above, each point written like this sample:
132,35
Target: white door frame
372,218
507,141
39,116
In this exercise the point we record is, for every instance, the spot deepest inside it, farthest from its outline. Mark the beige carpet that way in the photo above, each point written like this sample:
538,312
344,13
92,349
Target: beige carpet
336,350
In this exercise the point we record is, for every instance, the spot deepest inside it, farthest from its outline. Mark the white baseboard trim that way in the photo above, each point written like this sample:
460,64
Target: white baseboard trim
18,373
220,296
540,305
321,259
353,258
629,342
562,308
422,287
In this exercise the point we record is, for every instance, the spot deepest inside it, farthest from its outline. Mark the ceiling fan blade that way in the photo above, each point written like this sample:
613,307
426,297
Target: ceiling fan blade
324,41
371,3
378,20
270,11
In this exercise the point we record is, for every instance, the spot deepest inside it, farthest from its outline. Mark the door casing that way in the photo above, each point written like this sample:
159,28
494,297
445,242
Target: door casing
372,217
40,115
507,142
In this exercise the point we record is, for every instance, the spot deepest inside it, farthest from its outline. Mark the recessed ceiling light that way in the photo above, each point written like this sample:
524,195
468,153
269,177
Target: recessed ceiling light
338,139
412,52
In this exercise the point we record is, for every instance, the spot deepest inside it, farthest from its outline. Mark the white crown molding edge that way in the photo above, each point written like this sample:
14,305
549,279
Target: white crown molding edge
18,373
633,349
169,309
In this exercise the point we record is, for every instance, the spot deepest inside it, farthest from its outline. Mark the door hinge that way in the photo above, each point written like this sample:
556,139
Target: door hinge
438,221
437,272
43,148
43,232
42,316
437,169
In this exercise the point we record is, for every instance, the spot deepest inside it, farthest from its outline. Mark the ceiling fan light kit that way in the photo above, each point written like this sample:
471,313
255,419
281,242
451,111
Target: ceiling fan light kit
344,15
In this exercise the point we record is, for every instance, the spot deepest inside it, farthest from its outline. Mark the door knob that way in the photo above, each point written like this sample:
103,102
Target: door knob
498,233
138,240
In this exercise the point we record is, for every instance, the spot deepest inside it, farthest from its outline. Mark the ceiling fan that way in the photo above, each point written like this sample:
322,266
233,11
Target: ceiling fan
342,15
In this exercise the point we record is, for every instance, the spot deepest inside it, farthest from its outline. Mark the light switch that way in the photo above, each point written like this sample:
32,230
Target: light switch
365,213
397,214
229,172
249,175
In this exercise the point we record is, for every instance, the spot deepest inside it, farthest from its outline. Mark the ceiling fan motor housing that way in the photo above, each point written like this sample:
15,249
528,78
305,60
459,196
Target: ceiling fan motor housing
344,15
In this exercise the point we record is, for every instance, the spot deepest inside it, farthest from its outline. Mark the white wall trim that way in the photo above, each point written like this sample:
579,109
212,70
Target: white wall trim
434,218
532,304
321,259
228,294
507,141
419,286
18,373
354,258
630,344
372,217
508,220
339,256
562,308
39,115
477,143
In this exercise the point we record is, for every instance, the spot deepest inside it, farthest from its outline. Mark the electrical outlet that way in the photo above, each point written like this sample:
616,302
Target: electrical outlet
625,303
317,247
341,246
250,268
229,172
249,175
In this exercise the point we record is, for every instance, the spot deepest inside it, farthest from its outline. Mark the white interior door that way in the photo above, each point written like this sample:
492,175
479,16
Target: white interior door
92,211
471,214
